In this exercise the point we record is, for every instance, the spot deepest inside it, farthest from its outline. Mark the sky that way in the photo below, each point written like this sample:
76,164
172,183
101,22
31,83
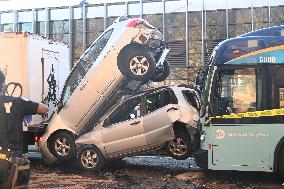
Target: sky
194,4
28,4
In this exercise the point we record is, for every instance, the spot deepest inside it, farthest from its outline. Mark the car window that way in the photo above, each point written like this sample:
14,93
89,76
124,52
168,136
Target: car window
89,58
158,100
83,65
72,82
130,109
191,98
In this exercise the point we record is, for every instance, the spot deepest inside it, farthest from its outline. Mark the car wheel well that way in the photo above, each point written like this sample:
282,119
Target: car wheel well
58,131
179,126
193,133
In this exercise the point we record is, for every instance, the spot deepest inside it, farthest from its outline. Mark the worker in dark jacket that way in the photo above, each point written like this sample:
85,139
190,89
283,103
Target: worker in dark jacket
12,112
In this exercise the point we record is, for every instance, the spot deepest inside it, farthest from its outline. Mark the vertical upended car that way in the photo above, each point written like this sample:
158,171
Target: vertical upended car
128,54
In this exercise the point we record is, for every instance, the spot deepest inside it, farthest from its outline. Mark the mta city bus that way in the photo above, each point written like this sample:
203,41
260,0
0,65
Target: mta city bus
242,116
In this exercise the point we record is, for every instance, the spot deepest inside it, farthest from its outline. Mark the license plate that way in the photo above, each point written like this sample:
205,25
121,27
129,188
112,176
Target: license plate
3,156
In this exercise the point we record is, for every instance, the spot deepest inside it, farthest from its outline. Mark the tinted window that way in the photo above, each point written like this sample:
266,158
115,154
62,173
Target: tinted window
72,82
158,100
94,51
191,98
128,110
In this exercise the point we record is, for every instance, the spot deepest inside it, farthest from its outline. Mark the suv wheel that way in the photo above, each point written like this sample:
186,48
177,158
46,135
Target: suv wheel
162,72
90,158
135,63
281,162
179,147
62,146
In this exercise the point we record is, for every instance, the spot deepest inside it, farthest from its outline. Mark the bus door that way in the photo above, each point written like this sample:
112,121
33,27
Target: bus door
238,143
279,88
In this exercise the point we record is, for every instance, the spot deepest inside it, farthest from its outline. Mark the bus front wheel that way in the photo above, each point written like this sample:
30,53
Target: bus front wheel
281,162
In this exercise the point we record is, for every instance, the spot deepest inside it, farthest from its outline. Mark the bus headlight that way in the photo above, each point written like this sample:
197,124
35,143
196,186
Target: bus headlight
202,138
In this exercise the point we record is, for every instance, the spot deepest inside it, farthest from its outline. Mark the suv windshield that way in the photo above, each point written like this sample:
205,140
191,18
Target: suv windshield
83,65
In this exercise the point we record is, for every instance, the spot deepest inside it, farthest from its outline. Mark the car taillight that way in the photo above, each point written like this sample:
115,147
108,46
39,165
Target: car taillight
38,138
134,22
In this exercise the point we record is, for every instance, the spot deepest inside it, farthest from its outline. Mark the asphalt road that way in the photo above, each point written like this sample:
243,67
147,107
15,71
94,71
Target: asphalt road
146,172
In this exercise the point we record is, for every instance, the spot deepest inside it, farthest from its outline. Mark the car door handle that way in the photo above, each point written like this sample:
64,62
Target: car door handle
172,108
135,123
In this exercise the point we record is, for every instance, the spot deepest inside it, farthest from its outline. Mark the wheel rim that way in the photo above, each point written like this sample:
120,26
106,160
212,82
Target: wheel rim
62,146
178,147
139,65
89,159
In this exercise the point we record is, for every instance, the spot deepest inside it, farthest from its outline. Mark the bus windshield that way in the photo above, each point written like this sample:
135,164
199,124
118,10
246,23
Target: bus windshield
246,50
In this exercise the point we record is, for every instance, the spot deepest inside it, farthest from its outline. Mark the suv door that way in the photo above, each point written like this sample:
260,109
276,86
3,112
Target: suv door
162,111
124,131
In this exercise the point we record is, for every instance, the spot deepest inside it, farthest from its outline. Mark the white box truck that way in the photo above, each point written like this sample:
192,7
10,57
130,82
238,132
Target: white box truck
39,65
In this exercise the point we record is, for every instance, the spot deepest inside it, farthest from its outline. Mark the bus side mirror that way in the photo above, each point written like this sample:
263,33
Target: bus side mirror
199,76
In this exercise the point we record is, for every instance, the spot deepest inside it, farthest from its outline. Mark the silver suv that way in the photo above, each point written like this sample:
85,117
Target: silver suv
126,56
155,119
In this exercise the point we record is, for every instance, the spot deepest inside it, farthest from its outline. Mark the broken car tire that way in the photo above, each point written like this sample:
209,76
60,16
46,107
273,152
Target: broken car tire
136,63
179,147
62,146
90,158
162,72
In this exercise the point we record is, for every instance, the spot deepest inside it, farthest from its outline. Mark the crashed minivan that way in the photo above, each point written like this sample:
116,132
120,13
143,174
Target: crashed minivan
164,118
125,56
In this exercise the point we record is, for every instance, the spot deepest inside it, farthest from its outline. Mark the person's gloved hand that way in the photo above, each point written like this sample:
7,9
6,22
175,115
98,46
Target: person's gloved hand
28,119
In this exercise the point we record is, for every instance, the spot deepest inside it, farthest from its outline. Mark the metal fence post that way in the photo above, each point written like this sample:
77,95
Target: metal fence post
269,13
252,23
202,33
105,16
84,13
126,9
227,19
186,35
34,20
164,19
141,8
71,46
15,20
47,19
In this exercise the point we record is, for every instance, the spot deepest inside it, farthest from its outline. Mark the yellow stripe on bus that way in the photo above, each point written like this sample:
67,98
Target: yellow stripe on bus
264,113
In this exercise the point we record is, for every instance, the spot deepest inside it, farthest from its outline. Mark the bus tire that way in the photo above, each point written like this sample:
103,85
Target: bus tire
281,162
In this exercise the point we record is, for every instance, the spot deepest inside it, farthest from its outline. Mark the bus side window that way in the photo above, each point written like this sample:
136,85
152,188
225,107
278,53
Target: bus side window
279,87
